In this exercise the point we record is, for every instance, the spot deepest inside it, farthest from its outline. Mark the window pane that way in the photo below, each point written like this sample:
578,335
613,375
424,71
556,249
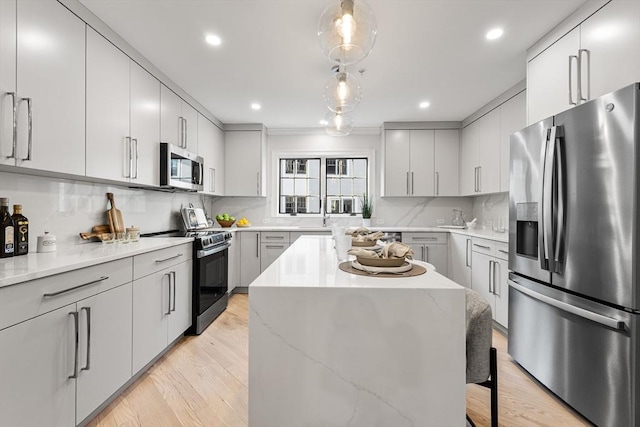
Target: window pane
331,166
359,168
314,187
346,187
347,206
334,205
287,186
313,168
359,186
314,204
300,187
333,187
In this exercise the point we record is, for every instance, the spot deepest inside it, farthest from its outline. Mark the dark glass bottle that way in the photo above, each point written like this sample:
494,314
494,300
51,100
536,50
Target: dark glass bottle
7,239
21,231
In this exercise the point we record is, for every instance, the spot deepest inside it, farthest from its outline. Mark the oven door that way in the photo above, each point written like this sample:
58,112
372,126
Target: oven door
210,277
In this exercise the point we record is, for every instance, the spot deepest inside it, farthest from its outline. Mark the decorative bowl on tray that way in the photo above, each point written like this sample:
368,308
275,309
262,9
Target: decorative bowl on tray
363,244
380,262
225,223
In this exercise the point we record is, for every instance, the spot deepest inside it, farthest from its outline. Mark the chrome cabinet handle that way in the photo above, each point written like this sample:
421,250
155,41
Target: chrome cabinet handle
571,58
186,135
158,261
503,251
257,245
581,312
412,189
168,275
490,276
212,179
423,258
135,175
495,265
29,128
75,360
64,291
437,183
479,179
431,239
274,237
14,123
173,275
274,246
181,130
258,183
482,246
467,246
427,251
127,149
407,183
580,92
87,367
476,179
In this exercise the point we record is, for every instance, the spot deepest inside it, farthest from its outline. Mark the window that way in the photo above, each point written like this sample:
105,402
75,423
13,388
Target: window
345,182
299,186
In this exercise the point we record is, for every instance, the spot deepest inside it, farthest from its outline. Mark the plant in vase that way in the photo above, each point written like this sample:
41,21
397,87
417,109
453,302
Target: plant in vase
367,210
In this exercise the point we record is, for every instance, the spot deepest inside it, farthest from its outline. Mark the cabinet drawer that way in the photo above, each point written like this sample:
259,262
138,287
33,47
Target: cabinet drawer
502,250
274,236
33,298
425,238
149,263
491,248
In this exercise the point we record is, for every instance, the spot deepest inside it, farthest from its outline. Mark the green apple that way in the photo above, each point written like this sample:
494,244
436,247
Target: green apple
219,217
232,218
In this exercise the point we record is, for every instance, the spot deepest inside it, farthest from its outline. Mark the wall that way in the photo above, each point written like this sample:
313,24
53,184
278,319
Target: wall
402,211
490,207
66,208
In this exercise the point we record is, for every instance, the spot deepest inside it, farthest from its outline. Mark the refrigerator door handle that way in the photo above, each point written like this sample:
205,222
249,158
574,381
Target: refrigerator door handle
559,237
544,238
561,305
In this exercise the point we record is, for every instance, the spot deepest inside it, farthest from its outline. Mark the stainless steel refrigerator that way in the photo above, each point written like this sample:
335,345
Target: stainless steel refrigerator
574,294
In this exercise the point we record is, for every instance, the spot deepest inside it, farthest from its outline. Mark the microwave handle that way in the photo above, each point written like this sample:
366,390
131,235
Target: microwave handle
201,166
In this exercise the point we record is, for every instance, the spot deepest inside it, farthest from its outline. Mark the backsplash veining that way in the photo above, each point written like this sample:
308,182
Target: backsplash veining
66,208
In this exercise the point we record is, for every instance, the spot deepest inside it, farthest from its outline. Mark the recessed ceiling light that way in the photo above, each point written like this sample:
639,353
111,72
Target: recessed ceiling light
213,40
323,122
424,104
495,33
255,106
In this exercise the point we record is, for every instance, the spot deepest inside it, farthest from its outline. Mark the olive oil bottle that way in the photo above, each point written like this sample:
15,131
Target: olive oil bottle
21,231
7,239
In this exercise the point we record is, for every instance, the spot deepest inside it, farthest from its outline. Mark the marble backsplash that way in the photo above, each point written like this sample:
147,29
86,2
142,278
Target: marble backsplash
490,208
66,208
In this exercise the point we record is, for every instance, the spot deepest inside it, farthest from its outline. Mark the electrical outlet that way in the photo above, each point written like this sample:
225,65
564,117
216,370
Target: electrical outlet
440,221
379,221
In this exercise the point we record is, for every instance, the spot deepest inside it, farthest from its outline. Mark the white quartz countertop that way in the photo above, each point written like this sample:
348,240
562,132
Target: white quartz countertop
311,262
35,265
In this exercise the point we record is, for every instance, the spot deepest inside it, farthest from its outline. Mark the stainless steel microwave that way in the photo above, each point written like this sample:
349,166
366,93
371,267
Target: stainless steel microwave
180,168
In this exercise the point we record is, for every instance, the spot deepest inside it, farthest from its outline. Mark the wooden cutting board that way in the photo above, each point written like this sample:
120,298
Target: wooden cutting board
114,216
96,231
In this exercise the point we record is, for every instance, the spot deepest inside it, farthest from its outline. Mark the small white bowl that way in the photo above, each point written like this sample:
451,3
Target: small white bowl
471,225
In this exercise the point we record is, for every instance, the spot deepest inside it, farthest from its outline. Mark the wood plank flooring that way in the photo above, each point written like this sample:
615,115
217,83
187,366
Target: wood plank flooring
202,381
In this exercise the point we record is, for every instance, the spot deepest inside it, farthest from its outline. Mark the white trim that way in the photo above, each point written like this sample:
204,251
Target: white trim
320,131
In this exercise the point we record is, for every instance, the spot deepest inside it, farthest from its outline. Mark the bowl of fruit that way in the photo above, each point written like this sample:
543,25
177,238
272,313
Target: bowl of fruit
225,220
243,222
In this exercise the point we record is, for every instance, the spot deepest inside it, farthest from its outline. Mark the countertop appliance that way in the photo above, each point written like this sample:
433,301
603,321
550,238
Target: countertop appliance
574,296
180,169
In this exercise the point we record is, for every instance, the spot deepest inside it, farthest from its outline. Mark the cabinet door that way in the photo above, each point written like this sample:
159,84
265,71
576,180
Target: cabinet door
460,259
480,280
150,317
181,314
234,264
108,146
36,360
145,126
211,148
501,273
170,117
190,124
421,159
512,119
397,163
244,150
105,352
51,72
489,152
418,251
612,37
437,255
468,159
269,252
548,78
249,257
446,162
7,79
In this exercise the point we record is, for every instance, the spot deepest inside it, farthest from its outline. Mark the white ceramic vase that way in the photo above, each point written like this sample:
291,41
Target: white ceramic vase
366,222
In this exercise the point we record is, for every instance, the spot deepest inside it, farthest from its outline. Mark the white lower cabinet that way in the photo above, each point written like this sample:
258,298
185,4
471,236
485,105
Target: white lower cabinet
489,276
250,257
161,311
272,245
429,247
460,259
234,263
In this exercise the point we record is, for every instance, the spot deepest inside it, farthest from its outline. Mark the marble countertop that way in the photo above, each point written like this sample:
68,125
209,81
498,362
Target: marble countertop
36,265
311,262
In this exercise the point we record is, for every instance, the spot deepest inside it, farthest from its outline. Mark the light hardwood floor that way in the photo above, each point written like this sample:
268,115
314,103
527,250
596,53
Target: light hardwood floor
202,381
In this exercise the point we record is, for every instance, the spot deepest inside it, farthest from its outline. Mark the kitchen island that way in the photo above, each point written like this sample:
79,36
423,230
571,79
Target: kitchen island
328,348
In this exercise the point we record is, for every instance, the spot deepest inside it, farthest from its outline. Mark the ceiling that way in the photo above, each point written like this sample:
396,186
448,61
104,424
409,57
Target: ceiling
433,50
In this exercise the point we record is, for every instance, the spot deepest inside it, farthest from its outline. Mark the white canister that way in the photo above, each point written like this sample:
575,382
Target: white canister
46,242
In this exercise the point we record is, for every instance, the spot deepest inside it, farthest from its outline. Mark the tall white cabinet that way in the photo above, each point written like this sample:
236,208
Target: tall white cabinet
179,121
460,259
597,56
211,149
246,151
49,81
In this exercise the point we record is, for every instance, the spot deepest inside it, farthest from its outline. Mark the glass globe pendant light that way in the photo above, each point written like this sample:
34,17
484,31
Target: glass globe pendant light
347,31
342,92
338,124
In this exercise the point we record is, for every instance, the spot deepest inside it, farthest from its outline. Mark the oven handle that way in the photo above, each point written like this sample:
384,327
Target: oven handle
206,252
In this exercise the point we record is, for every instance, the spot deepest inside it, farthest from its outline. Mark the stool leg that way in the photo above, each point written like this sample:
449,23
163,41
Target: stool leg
493,367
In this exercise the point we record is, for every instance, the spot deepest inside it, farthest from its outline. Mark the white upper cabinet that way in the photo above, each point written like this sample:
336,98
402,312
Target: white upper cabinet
446,155
50,84
489,153
7,79
421,163
598,56
211,149
512,119
244,153
469,159
123,116
179,121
